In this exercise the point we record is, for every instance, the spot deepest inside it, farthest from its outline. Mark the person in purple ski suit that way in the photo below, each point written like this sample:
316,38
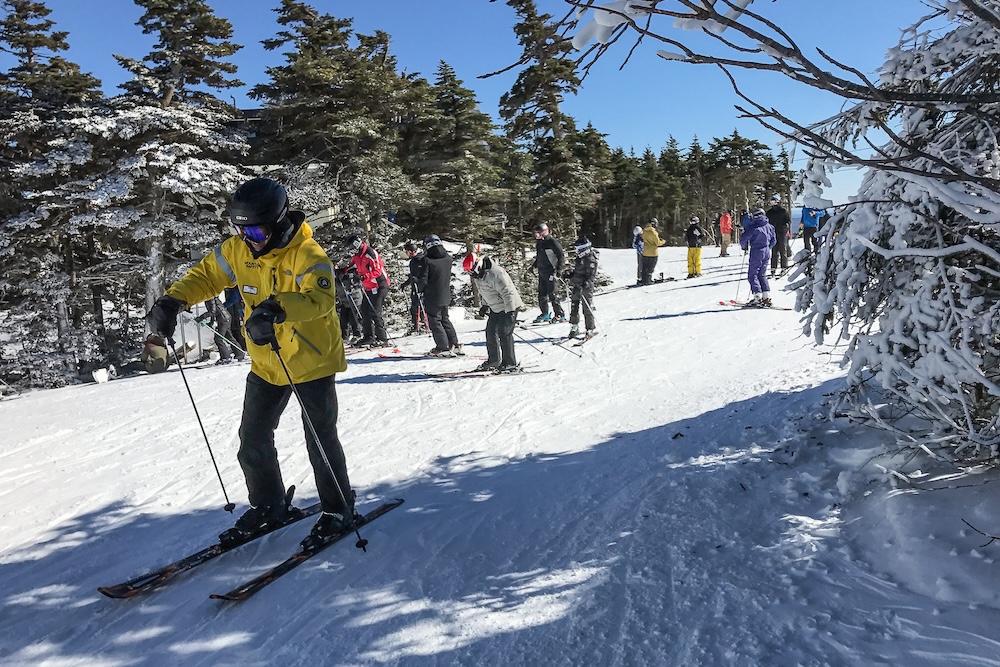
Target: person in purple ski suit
759,237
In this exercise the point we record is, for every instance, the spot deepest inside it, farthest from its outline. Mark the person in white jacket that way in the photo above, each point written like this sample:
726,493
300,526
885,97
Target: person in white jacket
500,303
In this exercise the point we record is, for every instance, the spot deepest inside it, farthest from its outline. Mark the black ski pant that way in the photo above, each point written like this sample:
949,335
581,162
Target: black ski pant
416,311
500,338
583,292
371,311
548,290
441,327
350,325
648,264
809,238
223,326
262,408
780,253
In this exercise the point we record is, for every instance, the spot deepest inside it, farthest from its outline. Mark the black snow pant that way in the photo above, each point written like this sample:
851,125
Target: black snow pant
223,325
371,311
648,264
585,293
416,312
809,238
441,327
262,408
548,290
780,253
350,324
500,338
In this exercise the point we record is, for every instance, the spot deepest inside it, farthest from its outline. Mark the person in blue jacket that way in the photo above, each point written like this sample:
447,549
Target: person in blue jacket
758,237
809,226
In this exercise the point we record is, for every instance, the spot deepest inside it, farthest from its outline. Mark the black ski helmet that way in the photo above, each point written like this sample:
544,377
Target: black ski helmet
259,202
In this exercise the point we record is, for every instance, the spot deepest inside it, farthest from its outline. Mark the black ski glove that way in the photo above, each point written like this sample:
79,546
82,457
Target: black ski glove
260,324
484,311
162,317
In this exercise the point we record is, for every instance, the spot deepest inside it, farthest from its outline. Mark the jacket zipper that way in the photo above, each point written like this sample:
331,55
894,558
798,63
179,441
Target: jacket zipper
295,332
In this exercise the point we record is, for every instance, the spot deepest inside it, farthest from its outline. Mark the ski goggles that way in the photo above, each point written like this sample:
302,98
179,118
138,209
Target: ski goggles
255,233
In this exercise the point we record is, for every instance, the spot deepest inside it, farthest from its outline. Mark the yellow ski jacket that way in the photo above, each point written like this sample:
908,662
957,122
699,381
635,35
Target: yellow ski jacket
300,278
651,242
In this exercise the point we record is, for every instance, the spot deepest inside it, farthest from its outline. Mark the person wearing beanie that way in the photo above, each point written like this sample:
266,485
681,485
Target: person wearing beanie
375,286
782,223
437,299
582,278
695,236
725,231
501,302
758,237
651,244
416,281
637,246
294,337
549,258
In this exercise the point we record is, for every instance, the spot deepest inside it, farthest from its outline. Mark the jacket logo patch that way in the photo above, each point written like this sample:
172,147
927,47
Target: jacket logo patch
249,289
324,283
252,265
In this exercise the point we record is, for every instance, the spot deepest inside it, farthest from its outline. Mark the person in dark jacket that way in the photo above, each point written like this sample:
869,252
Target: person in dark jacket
782,223
549,258
695,236
349,298
374,285
437,299
416,281
582,279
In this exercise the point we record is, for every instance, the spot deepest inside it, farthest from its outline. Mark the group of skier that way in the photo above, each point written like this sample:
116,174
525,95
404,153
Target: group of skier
294,326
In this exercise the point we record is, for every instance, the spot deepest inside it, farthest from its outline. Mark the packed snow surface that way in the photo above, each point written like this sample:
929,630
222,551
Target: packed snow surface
674,495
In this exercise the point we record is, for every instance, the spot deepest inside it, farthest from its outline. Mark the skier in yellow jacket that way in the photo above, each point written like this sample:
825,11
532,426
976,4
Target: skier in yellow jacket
651,243
287,284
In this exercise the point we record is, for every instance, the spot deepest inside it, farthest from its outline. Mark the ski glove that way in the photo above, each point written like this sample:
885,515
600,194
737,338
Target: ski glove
162,317
260,324
552,278
484,311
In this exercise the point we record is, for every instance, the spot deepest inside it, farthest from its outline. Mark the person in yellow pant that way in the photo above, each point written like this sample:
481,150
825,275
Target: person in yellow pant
695,235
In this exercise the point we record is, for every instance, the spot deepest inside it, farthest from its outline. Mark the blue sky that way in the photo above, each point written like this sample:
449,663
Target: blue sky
640,105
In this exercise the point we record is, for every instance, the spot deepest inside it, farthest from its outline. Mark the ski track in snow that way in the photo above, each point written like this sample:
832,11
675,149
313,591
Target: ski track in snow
669,497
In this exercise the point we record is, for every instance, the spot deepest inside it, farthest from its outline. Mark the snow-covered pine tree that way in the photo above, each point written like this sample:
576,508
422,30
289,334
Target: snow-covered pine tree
910,272
141,180
38,321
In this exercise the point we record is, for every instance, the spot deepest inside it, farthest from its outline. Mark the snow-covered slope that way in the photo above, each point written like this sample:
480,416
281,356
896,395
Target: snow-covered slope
671,497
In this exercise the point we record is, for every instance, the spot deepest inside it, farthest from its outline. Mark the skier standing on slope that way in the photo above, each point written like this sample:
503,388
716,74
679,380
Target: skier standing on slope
725,230
501,303
417,282
549,258
582,279
349,298
437,298
651,243
287,284
782,223
375,285
637,246
758,236
695,236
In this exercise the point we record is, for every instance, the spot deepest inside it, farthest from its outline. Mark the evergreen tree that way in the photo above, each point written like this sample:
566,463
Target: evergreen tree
129,183
563,187
456,166
338,103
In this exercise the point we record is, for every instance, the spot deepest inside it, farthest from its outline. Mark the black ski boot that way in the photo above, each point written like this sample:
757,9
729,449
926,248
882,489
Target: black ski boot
258,520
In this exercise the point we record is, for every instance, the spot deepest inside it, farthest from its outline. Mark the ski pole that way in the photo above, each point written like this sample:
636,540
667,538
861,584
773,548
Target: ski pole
528,342
230,506
423,309
740,281
361,543
551,340
592,313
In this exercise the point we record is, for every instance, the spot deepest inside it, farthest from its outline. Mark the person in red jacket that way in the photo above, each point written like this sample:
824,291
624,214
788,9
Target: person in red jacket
375,285
725,230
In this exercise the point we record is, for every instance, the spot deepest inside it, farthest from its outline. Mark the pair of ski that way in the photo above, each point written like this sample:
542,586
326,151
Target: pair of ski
162,576
458,375
358,350
403,355
579,341
750,306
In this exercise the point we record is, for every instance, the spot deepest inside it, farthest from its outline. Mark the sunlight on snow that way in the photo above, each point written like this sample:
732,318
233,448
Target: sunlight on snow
518,602
47,653
710,461
210,645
